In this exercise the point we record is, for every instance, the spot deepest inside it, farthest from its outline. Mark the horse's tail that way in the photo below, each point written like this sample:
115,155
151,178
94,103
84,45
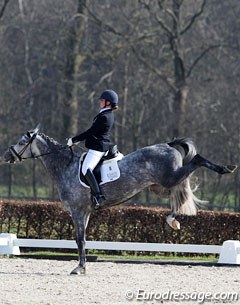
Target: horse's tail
182,198
186,147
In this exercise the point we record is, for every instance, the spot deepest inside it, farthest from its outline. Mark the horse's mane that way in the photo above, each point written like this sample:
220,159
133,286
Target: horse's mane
62,151
50,141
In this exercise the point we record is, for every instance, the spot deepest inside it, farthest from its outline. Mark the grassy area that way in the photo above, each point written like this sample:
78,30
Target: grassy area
24,191
162,257
59,255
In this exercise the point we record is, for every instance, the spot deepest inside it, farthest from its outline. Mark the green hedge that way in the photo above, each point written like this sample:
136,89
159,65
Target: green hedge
49,220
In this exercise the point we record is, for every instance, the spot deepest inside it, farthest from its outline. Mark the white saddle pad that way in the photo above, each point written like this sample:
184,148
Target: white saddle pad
109,170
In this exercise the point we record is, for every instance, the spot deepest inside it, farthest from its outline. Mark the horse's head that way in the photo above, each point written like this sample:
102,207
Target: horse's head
22,149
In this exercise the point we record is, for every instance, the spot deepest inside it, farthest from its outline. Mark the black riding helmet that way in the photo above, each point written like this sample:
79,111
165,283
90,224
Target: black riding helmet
111,96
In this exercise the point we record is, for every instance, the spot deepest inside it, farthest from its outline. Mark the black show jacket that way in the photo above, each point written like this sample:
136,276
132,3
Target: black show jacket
97,136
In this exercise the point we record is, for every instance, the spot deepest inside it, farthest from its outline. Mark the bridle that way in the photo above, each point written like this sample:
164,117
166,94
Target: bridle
19,154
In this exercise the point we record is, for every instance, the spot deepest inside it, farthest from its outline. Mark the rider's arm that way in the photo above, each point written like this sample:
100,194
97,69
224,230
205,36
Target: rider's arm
97,127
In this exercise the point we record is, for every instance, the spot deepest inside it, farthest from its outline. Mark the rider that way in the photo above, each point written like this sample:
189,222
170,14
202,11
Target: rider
97,141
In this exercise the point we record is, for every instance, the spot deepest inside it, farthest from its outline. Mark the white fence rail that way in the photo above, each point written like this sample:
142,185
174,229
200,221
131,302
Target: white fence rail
124,246
229,251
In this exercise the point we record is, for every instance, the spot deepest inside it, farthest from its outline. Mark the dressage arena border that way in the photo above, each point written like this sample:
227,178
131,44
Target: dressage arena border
229,252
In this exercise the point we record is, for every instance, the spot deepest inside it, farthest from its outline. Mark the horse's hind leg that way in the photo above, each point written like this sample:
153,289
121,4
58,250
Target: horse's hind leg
197,161
214,167
172,222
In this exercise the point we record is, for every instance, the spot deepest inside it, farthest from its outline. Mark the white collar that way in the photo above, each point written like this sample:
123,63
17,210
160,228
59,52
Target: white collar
104,109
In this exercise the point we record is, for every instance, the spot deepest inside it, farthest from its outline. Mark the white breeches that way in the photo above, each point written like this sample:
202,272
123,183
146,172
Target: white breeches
91,160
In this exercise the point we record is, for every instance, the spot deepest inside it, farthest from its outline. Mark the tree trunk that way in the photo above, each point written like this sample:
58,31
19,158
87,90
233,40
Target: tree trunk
181,91
124,102
10,182
34,180
75,59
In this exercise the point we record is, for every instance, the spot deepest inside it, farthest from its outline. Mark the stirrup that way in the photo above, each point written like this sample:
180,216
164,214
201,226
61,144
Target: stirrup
97,200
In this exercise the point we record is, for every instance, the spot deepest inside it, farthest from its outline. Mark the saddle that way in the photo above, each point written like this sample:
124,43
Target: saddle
107,169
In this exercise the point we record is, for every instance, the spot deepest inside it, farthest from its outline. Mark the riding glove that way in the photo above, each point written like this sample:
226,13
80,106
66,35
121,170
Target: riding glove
69,142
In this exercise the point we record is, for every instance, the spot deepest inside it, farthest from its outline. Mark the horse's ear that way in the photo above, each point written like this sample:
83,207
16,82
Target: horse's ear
36,129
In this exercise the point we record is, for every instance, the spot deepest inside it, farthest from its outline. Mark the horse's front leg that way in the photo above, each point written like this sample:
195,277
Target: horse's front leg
80,226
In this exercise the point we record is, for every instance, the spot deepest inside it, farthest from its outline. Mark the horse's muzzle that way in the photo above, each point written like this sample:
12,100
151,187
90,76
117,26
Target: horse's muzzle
8,157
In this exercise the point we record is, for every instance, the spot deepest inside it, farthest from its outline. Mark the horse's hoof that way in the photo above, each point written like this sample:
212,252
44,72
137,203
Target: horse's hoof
173,223
78,270
228,169
231,168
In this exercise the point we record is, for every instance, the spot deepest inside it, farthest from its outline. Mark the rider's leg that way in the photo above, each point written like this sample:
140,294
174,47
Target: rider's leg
92,159
97,196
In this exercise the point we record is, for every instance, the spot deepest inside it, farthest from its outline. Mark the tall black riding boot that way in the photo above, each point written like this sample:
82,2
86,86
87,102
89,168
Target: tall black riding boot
97,196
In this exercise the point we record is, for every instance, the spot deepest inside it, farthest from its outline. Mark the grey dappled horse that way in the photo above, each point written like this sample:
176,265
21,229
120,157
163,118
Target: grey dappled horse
161,166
